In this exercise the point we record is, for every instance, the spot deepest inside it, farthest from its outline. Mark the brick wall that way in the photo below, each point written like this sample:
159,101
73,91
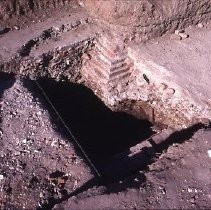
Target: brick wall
108,68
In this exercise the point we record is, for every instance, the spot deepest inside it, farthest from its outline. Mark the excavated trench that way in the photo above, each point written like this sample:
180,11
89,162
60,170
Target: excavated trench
116,144
129,109
100,132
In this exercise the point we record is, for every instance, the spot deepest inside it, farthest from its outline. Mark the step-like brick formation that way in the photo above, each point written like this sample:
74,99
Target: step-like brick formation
108,67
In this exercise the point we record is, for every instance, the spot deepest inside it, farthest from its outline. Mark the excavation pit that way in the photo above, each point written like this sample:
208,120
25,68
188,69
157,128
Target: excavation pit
101,133
148,61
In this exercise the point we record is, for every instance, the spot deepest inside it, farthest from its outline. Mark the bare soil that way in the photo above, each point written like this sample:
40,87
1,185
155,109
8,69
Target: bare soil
20,13
41,167
37,162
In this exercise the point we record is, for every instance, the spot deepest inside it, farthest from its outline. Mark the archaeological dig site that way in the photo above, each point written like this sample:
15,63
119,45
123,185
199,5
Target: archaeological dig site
105,104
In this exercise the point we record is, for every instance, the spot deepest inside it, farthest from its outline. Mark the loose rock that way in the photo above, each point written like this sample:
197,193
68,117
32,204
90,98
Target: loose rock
200,25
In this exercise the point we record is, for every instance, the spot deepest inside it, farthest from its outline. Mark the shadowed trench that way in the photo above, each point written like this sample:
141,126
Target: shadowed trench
100,131
6,81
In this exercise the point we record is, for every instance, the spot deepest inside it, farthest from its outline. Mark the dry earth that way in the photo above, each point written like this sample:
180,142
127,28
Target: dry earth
37,162
40,165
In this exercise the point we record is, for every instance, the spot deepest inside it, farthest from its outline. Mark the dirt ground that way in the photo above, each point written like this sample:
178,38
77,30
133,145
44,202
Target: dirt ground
37,162
42,168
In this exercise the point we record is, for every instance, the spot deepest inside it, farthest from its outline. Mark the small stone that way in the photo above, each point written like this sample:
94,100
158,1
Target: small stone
1,133
163,86
183,35
136,180
190,190
56,28
1,177
170,91
163,192
200,25
41,195
209,153
178,31
192,200
16,27
39,113
24,141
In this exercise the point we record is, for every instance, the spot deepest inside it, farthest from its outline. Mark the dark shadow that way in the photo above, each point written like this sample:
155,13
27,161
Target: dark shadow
180,136
123,165
131,182
4,30
101,132
136,180
143,159
6,81
52,201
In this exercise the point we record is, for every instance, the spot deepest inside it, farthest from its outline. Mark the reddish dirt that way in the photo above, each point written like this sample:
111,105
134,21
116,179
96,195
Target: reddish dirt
39,165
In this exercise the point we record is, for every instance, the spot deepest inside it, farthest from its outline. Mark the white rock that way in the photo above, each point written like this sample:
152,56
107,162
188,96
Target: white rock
16,27
183,35
1,177
24,141
56,28
170,91
178,31
39,113
209,153
190,190
200,25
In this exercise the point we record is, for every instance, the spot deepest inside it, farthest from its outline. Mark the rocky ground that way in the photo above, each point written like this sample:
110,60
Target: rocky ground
41,167
37,162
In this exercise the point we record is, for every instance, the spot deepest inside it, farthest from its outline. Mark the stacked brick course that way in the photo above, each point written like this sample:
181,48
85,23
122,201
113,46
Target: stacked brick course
108,67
